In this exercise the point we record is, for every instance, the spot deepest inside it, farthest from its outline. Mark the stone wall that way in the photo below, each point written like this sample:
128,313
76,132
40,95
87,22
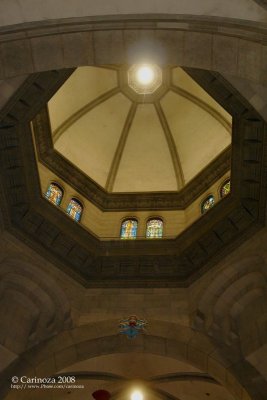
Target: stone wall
16,12
205,325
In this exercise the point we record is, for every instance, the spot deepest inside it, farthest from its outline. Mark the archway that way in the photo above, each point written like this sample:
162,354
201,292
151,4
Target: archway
167,340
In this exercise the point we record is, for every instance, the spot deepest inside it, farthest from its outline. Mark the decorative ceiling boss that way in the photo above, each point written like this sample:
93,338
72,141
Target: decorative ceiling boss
132,326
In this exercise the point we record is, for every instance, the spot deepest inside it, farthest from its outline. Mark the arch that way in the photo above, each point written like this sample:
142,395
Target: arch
207,203
18,13
75,209
228,296
225,188
129,228
54,193
166,339
154,228
42,308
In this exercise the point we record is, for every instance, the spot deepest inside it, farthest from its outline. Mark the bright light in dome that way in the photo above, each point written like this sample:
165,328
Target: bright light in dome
145,76
137,395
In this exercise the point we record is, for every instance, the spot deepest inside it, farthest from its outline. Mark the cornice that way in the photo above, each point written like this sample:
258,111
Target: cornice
122,202
255,31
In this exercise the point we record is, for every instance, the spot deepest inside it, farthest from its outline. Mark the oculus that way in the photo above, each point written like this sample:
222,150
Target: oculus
144,78
137,395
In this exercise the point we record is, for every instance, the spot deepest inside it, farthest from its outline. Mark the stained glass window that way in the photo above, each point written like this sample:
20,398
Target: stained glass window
207,204
54,193
129,229
225,188
75,210
154,228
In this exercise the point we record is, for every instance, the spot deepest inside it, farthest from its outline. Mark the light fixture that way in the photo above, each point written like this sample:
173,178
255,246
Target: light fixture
145,74
137,395
144,78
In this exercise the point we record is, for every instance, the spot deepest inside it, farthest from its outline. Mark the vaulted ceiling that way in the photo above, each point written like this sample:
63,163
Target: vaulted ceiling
128,142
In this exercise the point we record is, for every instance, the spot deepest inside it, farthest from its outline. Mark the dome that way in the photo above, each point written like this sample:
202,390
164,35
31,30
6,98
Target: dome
131,141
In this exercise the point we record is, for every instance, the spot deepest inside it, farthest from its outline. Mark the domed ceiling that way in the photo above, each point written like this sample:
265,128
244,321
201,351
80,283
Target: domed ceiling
98,257
130,140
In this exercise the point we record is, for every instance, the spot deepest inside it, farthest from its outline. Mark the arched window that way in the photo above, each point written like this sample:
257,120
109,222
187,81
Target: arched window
75,209
207,204
54,193
225,188
129,229
154,228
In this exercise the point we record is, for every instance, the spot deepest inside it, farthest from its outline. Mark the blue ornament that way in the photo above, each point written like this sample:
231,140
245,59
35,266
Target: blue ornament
132,326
